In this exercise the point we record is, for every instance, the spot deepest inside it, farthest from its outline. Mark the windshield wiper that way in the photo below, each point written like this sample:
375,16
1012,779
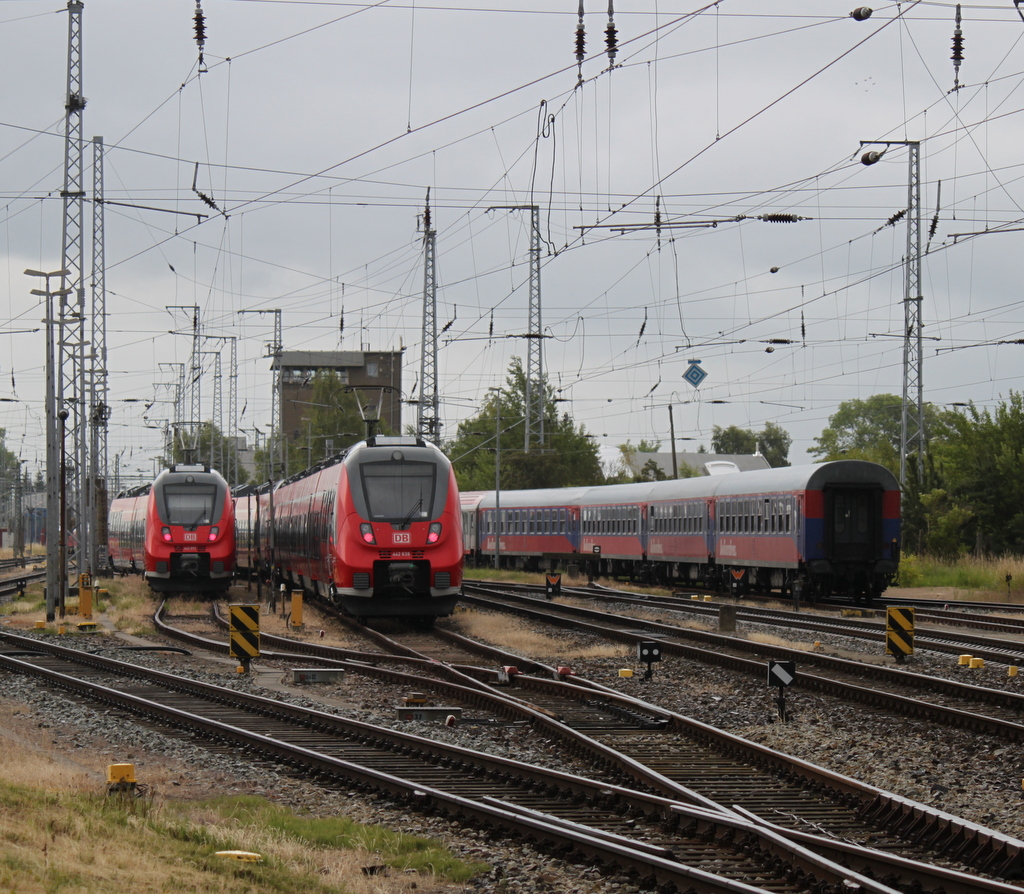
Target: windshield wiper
416,507
198,519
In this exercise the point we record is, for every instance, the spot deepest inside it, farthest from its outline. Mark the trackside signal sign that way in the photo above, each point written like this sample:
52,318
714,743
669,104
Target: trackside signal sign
781,673
245,631
899,631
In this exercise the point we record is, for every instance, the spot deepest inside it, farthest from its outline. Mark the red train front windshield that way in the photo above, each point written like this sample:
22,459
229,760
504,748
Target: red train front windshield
189,505
399,492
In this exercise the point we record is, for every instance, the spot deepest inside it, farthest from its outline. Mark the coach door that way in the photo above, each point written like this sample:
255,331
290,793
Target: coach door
853,518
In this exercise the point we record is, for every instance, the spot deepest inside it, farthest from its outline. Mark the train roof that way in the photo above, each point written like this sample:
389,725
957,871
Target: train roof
813,477
785,479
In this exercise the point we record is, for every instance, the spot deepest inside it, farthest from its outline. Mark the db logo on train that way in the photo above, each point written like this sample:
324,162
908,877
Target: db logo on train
401,537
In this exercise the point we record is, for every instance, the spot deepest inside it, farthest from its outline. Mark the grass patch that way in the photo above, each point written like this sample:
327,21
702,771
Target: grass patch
60,833
968,573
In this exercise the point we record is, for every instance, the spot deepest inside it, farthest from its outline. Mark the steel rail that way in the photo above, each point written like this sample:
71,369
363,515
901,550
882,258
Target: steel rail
808,870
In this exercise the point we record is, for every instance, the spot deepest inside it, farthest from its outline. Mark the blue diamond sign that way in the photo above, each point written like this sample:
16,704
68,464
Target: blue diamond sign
694,374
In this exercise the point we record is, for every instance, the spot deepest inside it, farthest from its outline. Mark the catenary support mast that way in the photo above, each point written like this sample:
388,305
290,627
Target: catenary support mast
428,423
71,392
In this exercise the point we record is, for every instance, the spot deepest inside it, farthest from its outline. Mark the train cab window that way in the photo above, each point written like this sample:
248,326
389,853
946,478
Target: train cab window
399,492
189,504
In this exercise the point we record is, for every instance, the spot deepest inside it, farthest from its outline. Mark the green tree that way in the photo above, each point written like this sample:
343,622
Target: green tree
981,453
733,440
625,469
945,525
568,457
773,442
863,429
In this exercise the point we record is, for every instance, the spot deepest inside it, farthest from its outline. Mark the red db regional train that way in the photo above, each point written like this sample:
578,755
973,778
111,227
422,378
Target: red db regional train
179,531
375,531
832,530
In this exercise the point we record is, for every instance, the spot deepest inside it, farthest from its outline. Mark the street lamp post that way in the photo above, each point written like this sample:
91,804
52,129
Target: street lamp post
53,536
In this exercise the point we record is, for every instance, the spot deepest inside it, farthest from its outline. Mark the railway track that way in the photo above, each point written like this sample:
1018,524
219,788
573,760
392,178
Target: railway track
712,768
656,840
866,623
984,710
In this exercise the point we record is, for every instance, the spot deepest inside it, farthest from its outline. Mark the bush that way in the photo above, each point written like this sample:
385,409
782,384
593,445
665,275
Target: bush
910,573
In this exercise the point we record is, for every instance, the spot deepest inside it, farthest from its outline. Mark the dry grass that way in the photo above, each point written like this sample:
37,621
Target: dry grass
772,640
518,636
60,831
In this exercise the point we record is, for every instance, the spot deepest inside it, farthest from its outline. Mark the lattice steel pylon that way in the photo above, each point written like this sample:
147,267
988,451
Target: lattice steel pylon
913,437
428,423
276,439
912,430
71,390
535,354
216,452
187,430
99,413
535,390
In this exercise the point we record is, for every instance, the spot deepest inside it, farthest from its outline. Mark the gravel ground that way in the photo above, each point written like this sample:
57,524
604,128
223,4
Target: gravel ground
971,776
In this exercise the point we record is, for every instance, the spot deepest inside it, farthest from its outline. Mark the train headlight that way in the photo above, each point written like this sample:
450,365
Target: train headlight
434,532
214,531
366,532
165,532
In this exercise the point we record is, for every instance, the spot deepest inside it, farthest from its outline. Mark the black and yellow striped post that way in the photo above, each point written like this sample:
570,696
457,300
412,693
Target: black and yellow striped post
245,633
899,632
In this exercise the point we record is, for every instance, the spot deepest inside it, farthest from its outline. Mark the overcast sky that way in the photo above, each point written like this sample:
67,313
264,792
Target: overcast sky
317,128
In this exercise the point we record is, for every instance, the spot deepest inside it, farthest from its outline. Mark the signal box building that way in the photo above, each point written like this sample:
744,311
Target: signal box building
358,368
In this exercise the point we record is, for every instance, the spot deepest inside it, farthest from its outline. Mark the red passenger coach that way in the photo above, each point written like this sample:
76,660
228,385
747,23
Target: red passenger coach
826,530
180,531
376,531
126,530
